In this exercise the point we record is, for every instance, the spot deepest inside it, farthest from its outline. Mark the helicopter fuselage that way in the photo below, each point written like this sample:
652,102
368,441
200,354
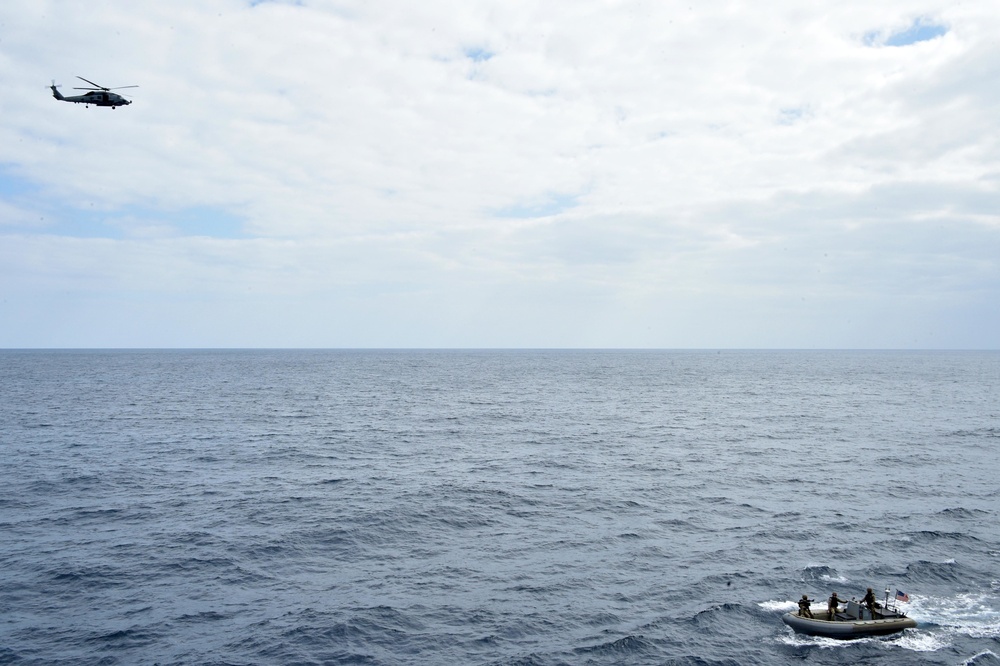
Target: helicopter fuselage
97,98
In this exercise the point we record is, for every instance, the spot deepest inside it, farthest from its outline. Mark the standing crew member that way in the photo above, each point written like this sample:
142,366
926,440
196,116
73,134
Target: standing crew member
869,602
831,607
804,606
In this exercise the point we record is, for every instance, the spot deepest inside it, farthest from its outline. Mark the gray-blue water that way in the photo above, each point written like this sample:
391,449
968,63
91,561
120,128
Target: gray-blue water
493,507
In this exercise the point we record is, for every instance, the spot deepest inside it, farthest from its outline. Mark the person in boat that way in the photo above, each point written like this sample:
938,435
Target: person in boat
832,607
869,601
804,603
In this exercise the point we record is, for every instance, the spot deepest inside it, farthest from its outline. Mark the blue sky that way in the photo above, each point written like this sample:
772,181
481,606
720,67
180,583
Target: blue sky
497,174
919,30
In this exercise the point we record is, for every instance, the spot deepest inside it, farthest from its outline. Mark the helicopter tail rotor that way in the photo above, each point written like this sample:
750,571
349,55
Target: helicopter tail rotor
55,91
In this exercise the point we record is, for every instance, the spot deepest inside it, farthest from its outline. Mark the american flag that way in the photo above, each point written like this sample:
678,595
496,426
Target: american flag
902,596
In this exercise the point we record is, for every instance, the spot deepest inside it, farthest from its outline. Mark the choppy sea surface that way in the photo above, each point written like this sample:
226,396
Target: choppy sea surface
493,507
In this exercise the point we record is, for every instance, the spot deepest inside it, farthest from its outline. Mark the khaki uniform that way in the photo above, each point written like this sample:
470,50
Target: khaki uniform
869,601
831,606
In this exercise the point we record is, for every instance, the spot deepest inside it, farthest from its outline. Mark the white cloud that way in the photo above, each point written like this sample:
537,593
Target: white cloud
563,173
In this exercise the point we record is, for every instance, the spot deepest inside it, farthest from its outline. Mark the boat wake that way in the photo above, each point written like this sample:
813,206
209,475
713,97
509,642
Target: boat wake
778,606
974,615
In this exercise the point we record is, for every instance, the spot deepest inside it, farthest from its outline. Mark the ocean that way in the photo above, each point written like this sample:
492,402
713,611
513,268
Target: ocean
493,507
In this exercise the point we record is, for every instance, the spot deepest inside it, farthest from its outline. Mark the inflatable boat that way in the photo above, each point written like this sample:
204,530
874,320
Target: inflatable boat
855,621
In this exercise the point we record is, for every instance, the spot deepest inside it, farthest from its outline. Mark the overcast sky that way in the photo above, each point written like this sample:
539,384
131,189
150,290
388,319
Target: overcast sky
502,173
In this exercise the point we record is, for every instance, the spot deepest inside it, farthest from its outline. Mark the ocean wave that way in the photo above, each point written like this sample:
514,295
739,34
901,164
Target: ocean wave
961,513
626,648
823,574
977,432
935,572
985,654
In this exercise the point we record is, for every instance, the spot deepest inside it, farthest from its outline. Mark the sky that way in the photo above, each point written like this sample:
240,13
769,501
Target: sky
502,173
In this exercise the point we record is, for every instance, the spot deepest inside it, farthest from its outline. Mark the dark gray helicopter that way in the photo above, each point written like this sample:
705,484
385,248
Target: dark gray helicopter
98,95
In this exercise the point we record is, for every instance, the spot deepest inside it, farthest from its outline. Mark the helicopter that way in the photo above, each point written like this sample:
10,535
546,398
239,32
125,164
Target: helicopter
98,95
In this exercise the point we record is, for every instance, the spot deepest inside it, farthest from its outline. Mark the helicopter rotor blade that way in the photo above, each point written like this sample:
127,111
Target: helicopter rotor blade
106,90
91,83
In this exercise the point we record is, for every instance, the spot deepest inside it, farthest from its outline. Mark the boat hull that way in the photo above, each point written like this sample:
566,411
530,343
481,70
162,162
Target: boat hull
847,628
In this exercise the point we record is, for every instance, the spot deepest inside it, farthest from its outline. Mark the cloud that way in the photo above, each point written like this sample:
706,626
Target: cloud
505,173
